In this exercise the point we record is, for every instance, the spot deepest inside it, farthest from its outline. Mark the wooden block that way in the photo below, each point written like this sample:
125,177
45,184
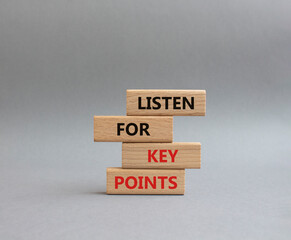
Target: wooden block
166,102
161,155
133,129
145,181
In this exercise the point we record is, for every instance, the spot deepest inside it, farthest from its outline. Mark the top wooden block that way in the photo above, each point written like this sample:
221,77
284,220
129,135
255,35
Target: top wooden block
166,102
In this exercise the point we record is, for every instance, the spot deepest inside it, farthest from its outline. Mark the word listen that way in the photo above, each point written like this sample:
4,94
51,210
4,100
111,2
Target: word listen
145,182
159,102
162,155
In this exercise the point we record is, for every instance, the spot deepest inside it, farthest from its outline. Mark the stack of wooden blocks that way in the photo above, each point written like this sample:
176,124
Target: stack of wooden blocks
151,162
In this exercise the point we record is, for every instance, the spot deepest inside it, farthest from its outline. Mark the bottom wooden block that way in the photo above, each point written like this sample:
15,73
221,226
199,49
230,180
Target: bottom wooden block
145,181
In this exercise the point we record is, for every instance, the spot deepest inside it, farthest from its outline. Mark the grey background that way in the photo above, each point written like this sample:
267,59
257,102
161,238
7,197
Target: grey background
61,62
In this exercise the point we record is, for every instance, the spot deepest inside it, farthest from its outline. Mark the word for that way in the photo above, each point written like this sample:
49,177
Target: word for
132,129
161,156
159,102
144,182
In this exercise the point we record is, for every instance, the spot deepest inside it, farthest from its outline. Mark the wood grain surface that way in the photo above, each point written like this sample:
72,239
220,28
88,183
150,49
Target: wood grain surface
145,181
133,129
166,102
177,155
